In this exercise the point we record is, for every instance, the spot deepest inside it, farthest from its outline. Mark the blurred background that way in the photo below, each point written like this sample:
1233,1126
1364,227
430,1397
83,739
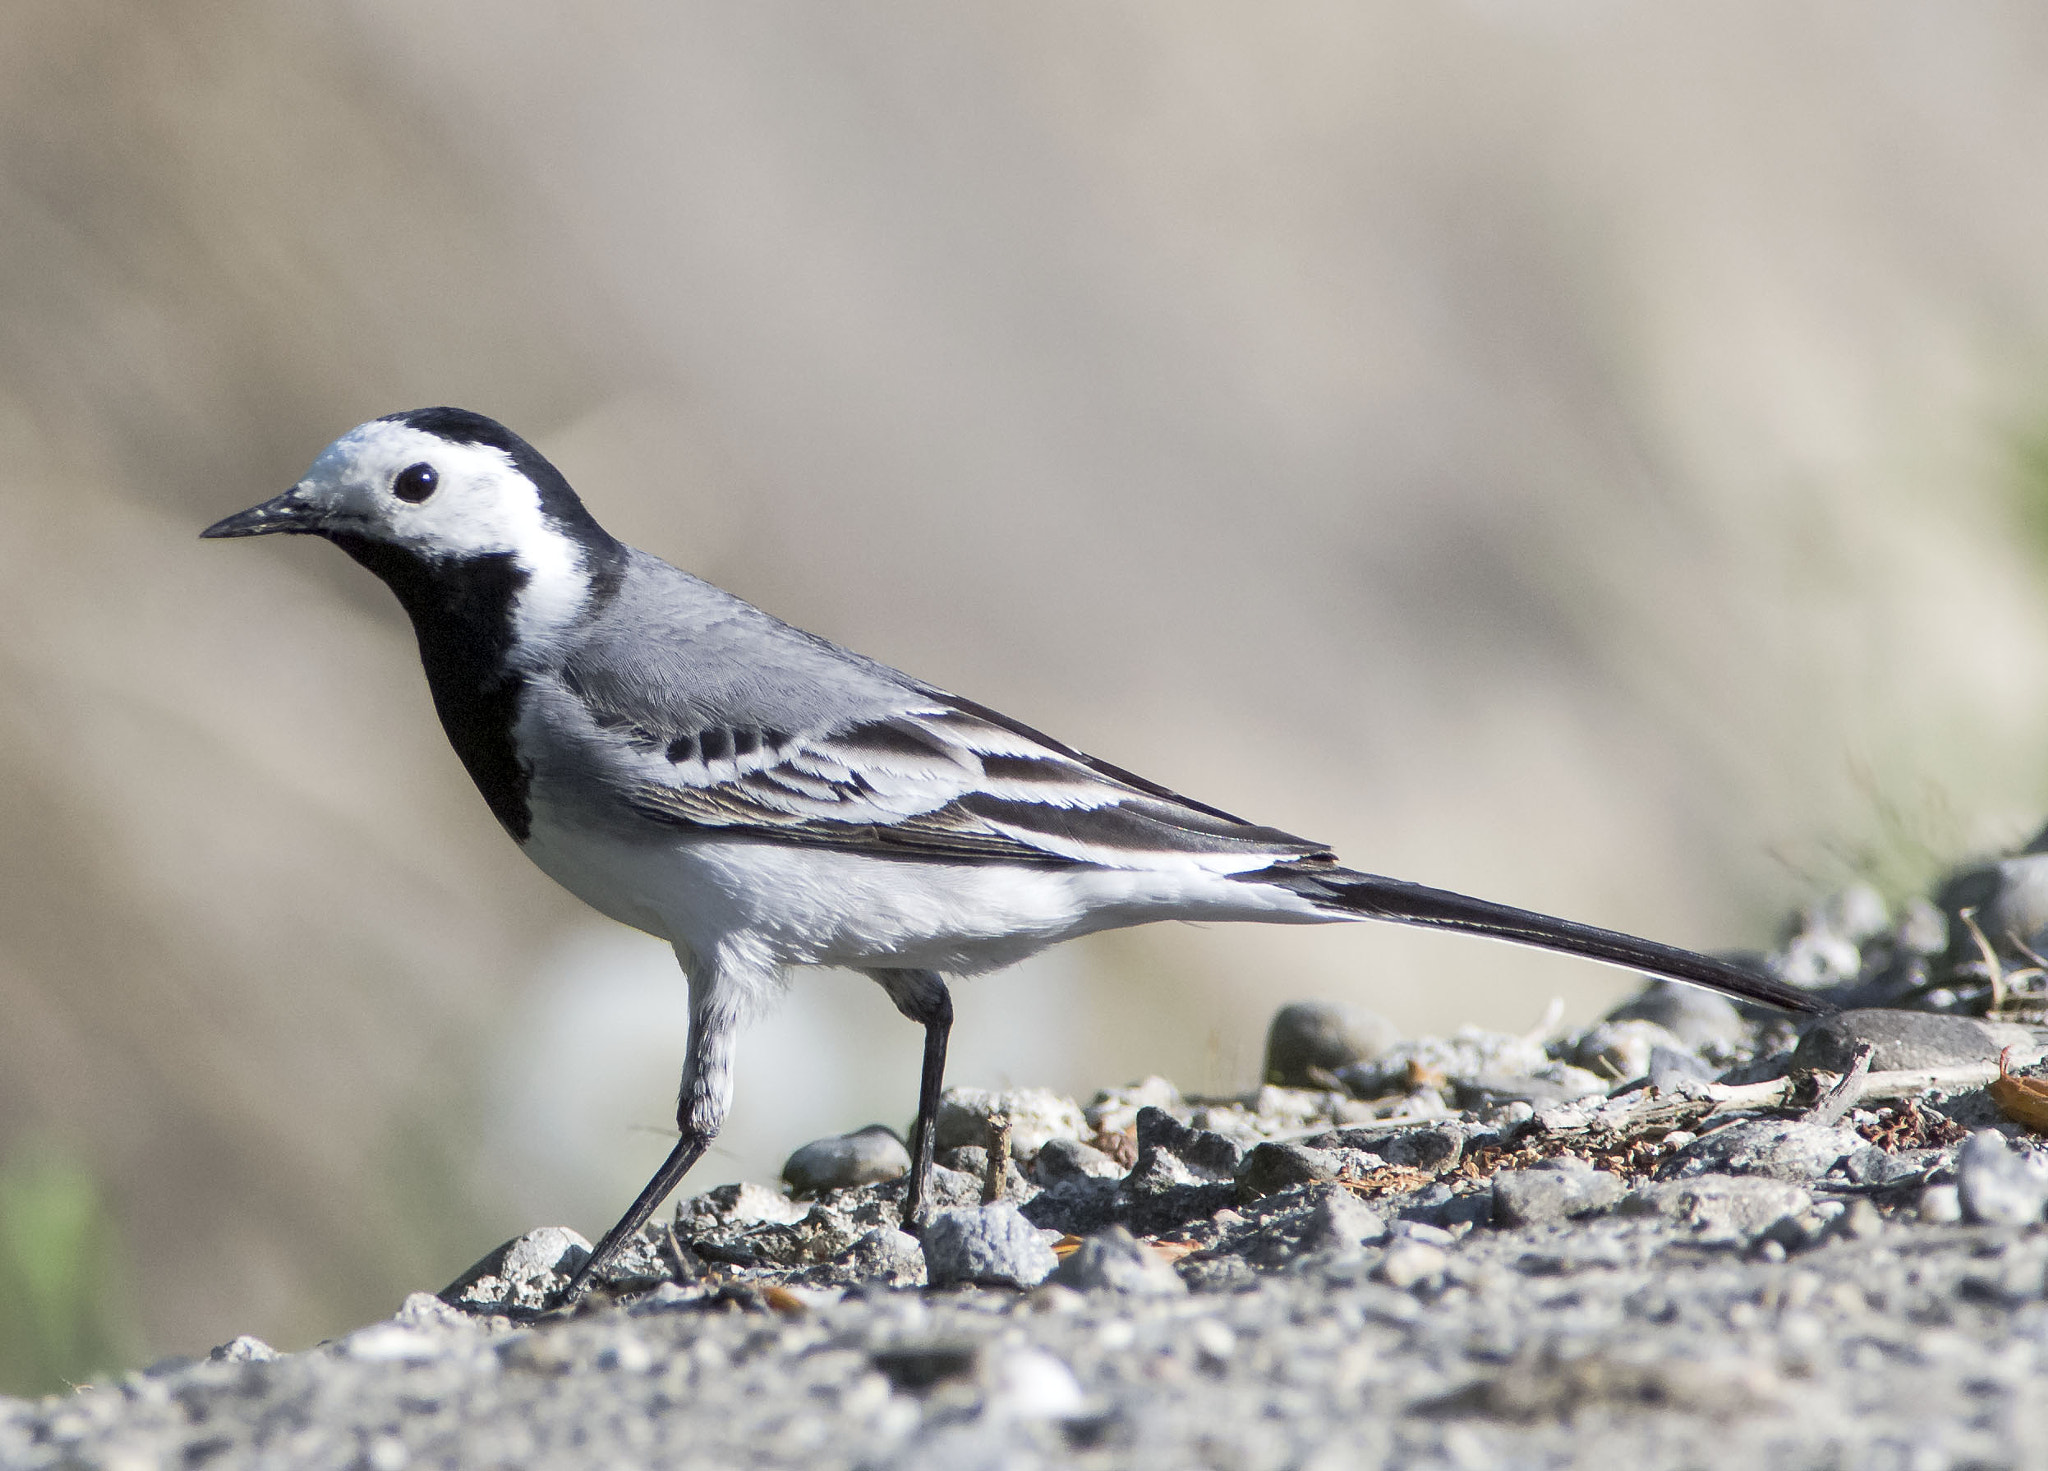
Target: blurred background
1586,454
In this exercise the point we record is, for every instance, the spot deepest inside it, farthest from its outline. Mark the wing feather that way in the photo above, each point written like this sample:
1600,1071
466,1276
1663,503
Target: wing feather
939,778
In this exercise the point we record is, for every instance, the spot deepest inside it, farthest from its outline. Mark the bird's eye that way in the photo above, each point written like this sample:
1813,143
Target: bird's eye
415,482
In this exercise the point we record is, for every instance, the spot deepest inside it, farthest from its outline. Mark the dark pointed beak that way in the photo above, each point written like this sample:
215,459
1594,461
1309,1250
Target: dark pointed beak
290,513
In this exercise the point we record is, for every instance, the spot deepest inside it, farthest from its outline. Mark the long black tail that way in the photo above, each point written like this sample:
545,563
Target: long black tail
1373,897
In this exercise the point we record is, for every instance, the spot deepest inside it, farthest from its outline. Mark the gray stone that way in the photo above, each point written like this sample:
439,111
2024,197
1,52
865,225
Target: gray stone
1412,1263
1557,1083
1219,1274
884,1255
1115,1110
1904,1039
1271,1168
955,1187
1471,1054
1207,1155
424,1310
522,1273
1779,1150
1697,1017
1116,1261
1081,1204
988,1245
244,1349
1765,1067
1941,1205
1671,1069
1719,1208
1420,1231
1433,1147
1620,1050
1998,1186
1310,1040
1880,1169
1542,1196
745,1203
1069,1159
1034,1115
1340,1221
845,1160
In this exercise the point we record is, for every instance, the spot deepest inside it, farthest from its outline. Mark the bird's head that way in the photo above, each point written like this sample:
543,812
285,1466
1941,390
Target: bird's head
422,495
439,483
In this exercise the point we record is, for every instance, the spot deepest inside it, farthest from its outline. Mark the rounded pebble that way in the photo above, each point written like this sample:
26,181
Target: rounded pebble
1412,1262
1998,1186
1113,1260
864,1157
1309,1040
1903,1039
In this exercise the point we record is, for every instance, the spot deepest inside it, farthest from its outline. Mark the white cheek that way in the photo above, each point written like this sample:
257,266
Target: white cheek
496,517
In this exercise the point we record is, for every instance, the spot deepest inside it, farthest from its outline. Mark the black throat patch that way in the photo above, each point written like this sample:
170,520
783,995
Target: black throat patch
461,612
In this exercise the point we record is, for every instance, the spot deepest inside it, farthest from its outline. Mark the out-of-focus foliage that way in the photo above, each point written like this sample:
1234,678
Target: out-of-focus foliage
61,1277
1563,452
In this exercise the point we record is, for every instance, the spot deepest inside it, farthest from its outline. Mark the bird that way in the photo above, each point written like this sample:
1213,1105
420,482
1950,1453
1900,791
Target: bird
761,798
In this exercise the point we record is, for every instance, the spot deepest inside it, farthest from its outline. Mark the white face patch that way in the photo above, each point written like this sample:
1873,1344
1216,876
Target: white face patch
481,505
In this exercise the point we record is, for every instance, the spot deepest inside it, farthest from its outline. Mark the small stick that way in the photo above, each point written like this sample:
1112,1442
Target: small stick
1847,1092
1969,918
998,1174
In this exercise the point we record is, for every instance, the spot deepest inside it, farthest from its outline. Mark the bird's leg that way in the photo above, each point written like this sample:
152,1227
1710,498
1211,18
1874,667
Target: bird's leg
922,996
700,1109
670,1175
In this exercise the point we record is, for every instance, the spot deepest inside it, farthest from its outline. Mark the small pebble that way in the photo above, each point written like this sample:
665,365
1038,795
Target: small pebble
384,1343
863,1157
1941,1205
989,1245
1213,1340
1340,1221
1270,1168
1998,1186
1070,1159
1114,1260
1032,1384
1412,1262
1309,1041
245,1349
1539,1197
1620,1050
1860,1222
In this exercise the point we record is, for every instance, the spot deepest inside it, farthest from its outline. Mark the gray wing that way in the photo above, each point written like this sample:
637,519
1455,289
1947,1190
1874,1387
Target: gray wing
725,720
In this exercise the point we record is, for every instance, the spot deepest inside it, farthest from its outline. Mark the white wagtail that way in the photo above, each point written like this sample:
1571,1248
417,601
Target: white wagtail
761,798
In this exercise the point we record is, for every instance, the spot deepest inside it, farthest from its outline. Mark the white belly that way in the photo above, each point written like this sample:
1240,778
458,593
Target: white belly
787,905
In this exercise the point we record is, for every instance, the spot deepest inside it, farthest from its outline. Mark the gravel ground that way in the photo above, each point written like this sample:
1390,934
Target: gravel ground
1683,1237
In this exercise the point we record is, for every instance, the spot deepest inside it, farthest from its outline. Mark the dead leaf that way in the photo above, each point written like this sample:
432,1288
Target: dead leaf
1389,1179
2023,1100
1421,1075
